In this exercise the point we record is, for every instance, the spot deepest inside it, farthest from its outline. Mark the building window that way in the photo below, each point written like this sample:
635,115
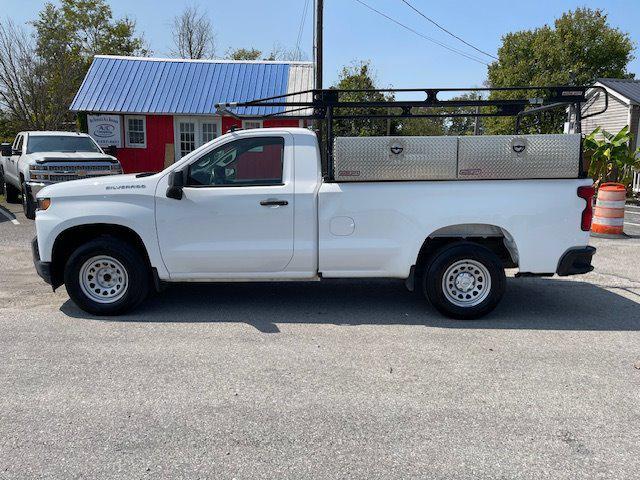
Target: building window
191,132
209,131
187,132
136,134
249,124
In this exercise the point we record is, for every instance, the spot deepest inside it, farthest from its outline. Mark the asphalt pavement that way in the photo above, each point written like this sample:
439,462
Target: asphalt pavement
632,219
337,379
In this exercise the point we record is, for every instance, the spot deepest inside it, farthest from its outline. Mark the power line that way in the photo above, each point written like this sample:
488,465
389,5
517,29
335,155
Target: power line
303,21
447,31
433,40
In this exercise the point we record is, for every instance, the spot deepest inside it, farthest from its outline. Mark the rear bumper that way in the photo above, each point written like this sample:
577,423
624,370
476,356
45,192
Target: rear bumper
43,268
576,261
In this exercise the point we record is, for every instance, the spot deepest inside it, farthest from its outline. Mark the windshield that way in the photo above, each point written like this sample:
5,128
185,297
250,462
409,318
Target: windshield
62,143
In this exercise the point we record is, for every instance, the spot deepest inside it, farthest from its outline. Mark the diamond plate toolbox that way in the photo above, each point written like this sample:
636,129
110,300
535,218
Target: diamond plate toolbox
361,159
358,159
518,157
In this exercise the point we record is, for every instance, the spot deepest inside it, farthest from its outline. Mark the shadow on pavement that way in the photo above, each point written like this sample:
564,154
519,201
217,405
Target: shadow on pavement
529,303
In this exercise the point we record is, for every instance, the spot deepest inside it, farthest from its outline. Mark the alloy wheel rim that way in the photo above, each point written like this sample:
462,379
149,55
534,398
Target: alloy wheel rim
103,279
466,283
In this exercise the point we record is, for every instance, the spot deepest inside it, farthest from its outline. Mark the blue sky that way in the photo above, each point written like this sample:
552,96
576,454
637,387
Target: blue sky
352,32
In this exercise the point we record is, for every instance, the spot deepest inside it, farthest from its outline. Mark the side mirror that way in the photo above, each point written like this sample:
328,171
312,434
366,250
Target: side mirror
16,151
5,149
176,183
111,150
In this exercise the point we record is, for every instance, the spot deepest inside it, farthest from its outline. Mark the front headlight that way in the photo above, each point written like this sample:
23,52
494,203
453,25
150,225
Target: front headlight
37,172
44,203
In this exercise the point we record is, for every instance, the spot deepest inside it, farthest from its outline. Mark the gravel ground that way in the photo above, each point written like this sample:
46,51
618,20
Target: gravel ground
339,379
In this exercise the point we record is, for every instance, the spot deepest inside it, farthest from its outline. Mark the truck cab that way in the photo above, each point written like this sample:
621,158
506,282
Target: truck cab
37,159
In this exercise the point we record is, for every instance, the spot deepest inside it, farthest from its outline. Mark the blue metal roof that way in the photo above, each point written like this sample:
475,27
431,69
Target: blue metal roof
144,85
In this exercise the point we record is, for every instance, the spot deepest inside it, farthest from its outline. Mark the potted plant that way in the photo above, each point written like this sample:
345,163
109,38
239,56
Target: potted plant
610,156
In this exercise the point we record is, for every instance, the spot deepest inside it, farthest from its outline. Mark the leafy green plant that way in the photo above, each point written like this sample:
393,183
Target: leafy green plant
612,158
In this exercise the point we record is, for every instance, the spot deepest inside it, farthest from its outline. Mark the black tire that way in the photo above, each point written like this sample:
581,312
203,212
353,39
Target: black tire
467,265
135,267
12,194
28,205
2,188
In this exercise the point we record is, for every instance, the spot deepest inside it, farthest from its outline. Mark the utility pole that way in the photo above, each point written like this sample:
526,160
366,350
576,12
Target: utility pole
317,43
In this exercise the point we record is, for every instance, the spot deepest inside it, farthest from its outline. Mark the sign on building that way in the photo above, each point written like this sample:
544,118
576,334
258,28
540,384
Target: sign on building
105,129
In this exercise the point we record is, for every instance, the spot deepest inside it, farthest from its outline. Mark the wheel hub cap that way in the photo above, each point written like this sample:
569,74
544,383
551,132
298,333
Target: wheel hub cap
466,283
103,279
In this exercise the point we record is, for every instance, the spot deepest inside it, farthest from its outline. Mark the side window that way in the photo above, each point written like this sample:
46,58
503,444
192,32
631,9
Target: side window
249,161
18,143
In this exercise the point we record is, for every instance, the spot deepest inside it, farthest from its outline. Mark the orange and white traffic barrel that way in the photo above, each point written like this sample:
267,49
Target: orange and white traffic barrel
608,217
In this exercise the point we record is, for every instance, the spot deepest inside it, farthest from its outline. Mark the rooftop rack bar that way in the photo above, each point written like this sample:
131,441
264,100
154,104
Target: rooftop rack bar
326,106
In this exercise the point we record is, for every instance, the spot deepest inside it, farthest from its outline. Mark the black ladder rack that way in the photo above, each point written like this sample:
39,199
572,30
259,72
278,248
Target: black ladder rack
324,106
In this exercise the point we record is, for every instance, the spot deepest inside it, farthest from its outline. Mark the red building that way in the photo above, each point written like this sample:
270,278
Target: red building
155,111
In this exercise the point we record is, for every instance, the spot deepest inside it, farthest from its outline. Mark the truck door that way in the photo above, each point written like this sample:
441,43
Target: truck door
236,213
12,164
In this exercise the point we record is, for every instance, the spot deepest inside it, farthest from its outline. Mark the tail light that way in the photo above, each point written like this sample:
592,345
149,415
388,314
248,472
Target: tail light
587,214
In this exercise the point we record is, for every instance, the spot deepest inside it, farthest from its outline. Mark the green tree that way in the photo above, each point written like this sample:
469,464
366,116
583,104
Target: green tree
244,54
580,47
86,28
444,125
358,77
39,78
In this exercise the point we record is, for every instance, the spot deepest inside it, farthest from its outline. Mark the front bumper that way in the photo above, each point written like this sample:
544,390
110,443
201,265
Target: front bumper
576,261
43,268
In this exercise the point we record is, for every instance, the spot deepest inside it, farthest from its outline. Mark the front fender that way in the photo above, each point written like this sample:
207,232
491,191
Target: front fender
135,212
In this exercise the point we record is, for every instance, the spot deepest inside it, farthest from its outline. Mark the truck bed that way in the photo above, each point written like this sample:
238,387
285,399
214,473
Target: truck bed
376,229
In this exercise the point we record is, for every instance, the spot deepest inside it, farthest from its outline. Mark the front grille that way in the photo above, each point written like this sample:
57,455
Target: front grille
63,178
62,172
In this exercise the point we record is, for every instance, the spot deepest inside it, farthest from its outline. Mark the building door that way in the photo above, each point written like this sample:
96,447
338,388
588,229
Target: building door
193,132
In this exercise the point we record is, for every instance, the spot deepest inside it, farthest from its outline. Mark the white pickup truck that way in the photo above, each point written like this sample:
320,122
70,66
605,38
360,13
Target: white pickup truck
37,159
253,206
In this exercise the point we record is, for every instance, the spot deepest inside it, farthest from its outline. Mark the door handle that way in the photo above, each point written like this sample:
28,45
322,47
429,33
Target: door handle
270,202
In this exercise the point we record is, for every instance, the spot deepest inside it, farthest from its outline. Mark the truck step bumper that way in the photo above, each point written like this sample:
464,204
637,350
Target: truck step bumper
576,261
43,268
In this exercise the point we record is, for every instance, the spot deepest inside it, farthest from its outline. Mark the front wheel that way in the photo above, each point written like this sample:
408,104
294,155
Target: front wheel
107,276
28,205
464,281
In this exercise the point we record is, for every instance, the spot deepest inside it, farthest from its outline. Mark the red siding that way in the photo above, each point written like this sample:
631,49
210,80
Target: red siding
160,134
282,122
150,159
228,122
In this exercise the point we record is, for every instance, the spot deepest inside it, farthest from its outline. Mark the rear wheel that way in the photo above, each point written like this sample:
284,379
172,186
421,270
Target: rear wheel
464,281
28,205
107,276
